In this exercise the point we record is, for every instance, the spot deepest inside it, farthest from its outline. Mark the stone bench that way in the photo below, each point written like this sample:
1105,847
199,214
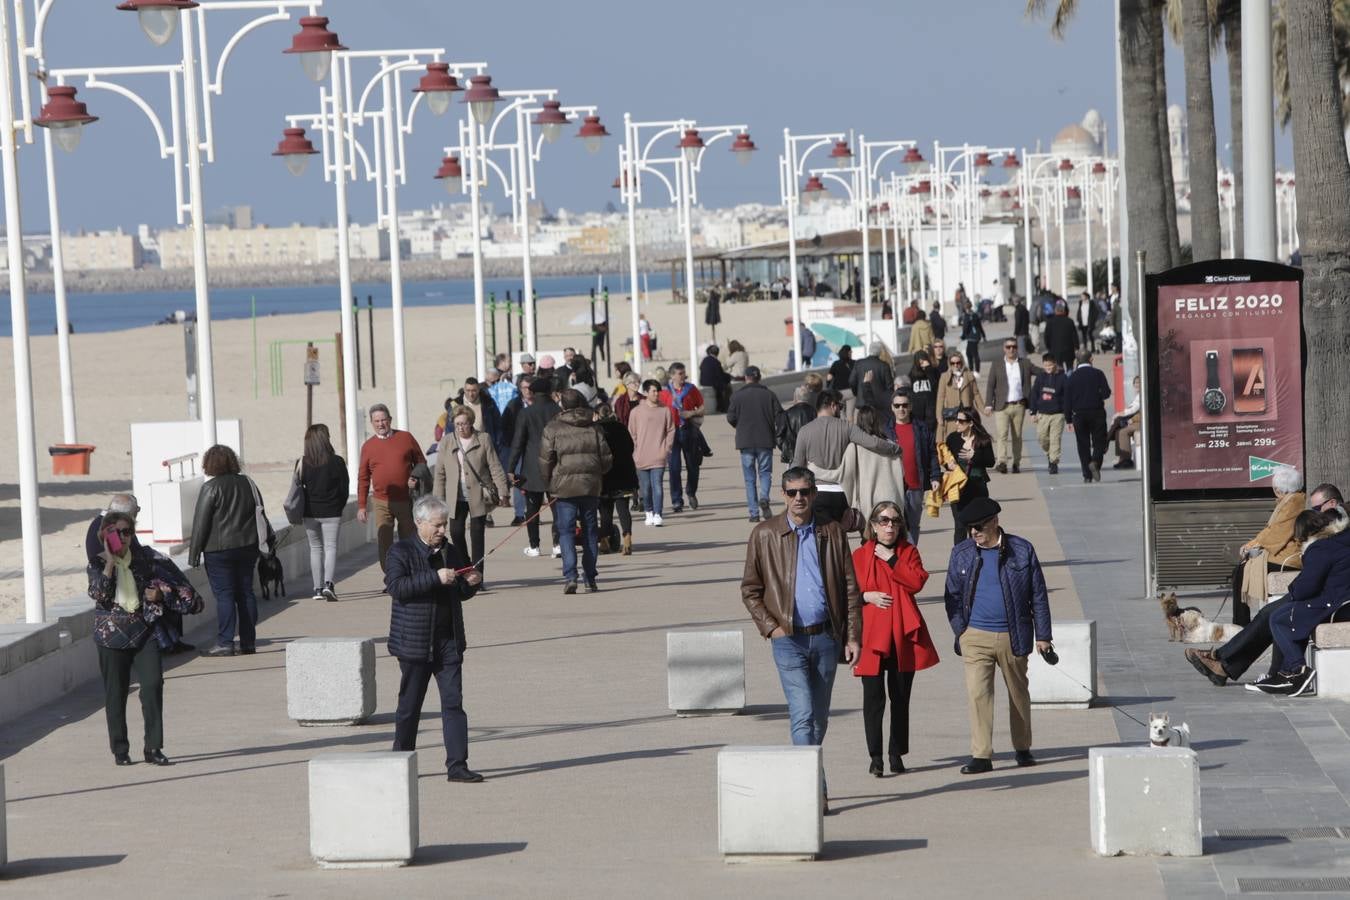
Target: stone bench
1332,659
1144,801
769,803
363,809
1074,685
705,672
330,681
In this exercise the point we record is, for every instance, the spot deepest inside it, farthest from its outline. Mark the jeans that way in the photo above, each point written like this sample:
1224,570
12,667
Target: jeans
517,495
687,449
476,526
650,482
806,666
446,665
758,461
116,667
567,510
1292,652
913,513
323,549
231,575
1246,647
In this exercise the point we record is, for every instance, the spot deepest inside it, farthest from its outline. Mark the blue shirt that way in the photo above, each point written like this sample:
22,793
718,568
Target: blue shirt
502,393
987,611
808,607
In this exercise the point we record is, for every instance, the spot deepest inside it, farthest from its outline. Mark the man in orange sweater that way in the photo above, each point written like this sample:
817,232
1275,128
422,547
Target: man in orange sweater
387,461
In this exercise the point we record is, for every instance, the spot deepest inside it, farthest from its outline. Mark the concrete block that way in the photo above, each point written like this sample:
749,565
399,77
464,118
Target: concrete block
1074,685
705,672
1144,801
4,846
330,681
769,803
1332,636
1333,671
363,809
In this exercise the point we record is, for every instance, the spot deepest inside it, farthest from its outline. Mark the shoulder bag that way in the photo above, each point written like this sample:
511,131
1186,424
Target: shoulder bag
260,519
489,489
294,504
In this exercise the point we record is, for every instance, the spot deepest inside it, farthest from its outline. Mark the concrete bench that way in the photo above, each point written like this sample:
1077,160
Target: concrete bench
705,672
1074,685
330,681
363,809
1144,801
1332,659
769,803
4,845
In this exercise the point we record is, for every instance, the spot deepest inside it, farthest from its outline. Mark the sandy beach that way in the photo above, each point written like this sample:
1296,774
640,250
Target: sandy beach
137,376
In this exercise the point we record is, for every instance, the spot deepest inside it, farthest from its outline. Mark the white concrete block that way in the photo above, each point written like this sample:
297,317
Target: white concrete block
705,672
363,809
4,846
1074,685
1333,671
330,681
1144,801
769,803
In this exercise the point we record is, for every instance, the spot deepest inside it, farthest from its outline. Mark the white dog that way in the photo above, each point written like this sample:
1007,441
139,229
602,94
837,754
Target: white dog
1161,733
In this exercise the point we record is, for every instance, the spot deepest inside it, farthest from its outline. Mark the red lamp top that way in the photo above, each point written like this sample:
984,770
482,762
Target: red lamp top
691,140
313,37
294,143
1225,183
437,80
985,192
912,157
928,210
885,207
1005,193
841,151
1010,161
925,187
175,5
743,144
813,185
1099,168
551,114
591,128
450,168
1073,193
481,90
982,161
62,108
1065,165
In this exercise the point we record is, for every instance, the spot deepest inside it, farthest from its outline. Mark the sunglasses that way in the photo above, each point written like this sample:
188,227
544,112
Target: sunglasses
962,421
124,532
899,406
888,521
1009,346
799,492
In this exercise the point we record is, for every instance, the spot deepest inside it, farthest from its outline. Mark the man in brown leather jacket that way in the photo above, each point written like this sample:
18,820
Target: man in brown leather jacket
802,594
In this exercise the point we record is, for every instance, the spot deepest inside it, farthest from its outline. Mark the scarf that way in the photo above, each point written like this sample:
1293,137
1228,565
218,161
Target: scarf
127,596
899,631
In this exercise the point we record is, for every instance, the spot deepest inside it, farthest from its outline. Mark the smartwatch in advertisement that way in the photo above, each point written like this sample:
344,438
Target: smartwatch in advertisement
1214,400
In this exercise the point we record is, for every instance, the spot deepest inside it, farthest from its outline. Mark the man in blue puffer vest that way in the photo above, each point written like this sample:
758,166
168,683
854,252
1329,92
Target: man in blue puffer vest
428,580
997,604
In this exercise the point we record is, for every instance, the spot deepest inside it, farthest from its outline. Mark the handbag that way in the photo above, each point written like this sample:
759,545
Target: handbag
294,504
260,519
489,489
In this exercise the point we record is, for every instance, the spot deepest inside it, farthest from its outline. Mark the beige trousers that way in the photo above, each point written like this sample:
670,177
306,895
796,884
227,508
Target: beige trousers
982,652
1050,432
388,514
1009,421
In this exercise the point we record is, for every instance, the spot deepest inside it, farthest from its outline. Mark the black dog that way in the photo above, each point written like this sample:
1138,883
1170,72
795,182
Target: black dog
270,573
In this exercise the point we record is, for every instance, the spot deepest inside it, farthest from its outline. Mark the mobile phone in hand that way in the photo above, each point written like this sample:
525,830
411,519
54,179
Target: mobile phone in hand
115,545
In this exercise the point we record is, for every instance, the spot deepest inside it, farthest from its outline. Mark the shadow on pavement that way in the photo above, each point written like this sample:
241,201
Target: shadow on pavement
1007,779
837,850
54,865
614,631
444,853
599,759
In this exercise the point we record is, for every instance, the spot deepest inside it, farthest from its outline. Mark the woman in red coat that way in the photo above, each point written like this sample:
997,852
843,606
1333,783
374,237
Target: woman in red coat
895,641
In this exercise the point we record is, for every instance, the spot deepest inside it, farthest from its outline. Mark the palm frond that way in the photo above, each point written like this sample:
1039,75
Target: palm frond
1064,13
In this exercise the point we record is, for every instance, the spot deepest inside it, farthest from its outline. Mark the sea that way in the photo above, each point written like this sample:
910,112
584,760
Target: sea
93,313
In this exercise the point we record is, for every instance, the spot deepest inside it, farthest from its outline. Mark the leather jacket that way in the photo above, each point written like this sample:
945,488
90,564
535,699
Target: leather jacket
767,586
224,517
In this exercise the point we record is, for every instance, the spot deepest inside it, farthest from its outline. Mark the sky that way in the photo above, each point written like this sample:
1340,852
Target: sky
972,71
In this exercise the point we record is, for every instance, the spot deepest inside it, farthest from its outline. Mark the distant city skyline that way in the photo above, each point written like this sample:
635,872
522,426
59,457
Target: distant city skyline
912,71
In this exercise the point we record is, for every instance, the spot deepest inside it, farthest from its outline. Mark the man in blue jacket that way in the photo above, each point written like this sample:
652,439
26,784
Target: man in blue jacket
996,603
1083,398
428,580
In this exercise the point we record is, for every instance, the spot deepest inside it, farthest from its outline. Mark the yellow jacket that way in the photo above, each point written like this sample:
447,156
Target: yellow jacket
949,490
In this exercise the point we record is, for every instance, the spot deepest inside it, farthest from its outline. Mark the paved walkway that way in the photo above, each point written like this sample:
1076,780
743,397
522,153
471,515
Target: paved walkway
595,789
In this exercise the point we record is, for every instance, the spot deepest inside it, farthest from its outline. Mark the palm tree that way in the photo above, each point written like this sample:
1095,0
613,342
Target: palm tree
1316,99
1154,23
1228,22
1195,38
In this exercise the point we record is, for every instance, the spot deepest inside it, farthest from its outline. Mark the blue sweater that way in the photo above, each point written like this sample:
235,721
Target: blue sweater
987,612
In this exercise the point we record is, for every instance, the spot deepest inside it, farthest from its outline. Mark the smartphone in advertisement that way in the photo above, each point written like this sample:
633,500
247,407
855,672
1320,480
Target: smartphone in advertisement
1249,380
115,545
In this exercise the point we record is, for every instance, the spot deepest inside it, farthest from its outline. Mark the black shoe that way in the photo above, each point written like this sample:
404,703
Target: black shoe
1124,464
1096,468
1265,681
517,521
764,509
489,523
1016,469
754,519
897,766
122,759
1024,758
1087,479
1053,468
1303,682
693,502
328,593
156,758
592,587
876,768
677,509
570,587
247,651
183,647
1001,468
220,650
977,766
464,776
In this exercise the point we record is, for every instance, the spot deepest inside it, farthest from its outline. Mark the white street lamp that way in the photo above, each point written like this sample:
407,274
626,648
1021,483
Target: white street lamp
791,168
315,45
158,18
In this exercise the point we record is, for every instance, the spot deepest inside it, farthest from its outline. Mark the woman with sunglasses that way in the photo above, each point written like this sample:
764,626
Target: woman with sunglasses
956,388
129,598
895,640
973,451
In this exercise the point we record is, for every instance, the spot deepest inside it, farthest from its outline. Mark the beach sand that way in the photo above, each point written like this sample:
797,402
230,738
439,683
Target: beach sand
138,376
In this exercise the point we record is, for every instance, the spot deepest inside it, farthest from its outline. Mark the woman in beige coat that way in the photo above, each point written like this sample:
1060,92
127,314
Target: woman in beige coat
471,481
956,388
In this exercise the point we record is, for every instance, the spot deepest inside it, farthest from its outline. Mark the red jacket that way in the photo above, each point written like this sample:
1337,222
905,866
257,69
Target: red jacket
899,631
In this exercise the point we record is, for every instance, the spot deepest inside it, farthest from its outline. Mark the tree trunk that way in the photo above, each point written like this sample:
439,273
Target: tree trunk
1324,233
1146,198
1164,148
1200,127
1232,43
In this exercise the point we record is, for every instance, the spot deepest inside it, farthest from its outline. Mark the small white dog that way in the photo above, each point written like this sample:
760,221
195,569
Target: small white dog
1161,733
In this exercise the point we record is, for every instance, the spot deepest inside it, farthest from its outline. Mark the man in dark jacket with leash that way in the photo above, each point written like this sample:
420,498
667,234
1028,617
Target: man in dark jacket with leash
428,580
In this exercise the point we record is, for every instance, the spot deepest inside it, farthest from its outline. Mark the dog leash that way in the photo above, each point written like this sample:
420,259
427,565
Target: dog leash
1093,693
515,531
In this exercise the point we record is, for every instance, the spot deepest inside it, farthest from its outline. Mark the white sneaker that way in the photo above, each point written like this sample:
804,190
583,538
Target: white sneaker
557,552
650,517
531,551
656,520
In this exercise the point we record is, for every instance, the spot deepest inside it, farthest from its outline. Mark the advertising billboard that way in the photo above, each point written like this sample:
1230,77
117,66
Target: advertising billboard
1226,385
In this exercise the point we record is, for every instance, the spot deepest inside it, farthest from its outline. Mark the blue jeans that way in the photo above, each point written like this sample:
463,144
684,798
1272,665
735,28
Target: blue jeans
687,451
231,575
757,462
517,495
650,483
567,510
913,513
806,666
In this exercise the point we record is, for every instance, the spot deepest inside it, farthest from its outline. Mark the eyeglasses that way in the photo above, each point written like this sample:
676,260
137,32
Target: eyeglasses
888,521
961,421
124,532
899,406
799,492
1009,346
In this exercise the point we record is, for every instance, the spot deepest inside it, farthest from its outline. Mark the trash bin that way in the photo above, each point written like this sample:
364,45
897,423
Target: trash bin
70,459
1118,377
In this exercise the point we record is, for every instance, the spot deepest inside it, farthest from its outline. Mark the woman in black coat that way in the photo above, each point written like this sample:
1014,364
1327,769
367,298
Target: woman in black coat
841,370
922,390
974,453
618,484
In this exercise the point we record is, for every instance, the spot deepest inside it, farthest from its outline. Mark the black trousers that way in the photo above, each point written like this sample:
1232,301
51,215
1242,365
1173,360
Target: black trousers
973,356
476,526
534,501
829,506
446,667
1254,639
875,689
117,666
1242,614
1089,430
611,504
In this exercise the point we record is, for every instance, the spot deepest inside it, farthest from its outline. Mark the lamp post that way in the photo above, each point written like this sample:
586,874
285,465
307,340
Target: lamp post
640,141
791,168
874,154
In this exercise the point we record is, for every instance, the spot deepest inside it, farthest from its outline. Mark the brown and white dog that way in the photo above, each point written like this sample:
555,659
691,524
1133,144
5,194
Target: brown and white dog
1189,625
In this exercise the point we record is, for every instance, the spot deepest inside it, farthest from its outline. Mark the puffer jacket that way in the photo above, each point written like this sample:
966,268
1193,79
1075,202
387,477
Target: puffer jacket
573,455
224,518
419,598
1024,596
1323,585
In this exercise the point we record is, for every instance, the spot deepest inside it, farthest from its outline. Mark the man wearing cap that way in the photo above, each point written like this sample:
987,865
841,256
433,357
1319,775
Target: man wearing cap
999,610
